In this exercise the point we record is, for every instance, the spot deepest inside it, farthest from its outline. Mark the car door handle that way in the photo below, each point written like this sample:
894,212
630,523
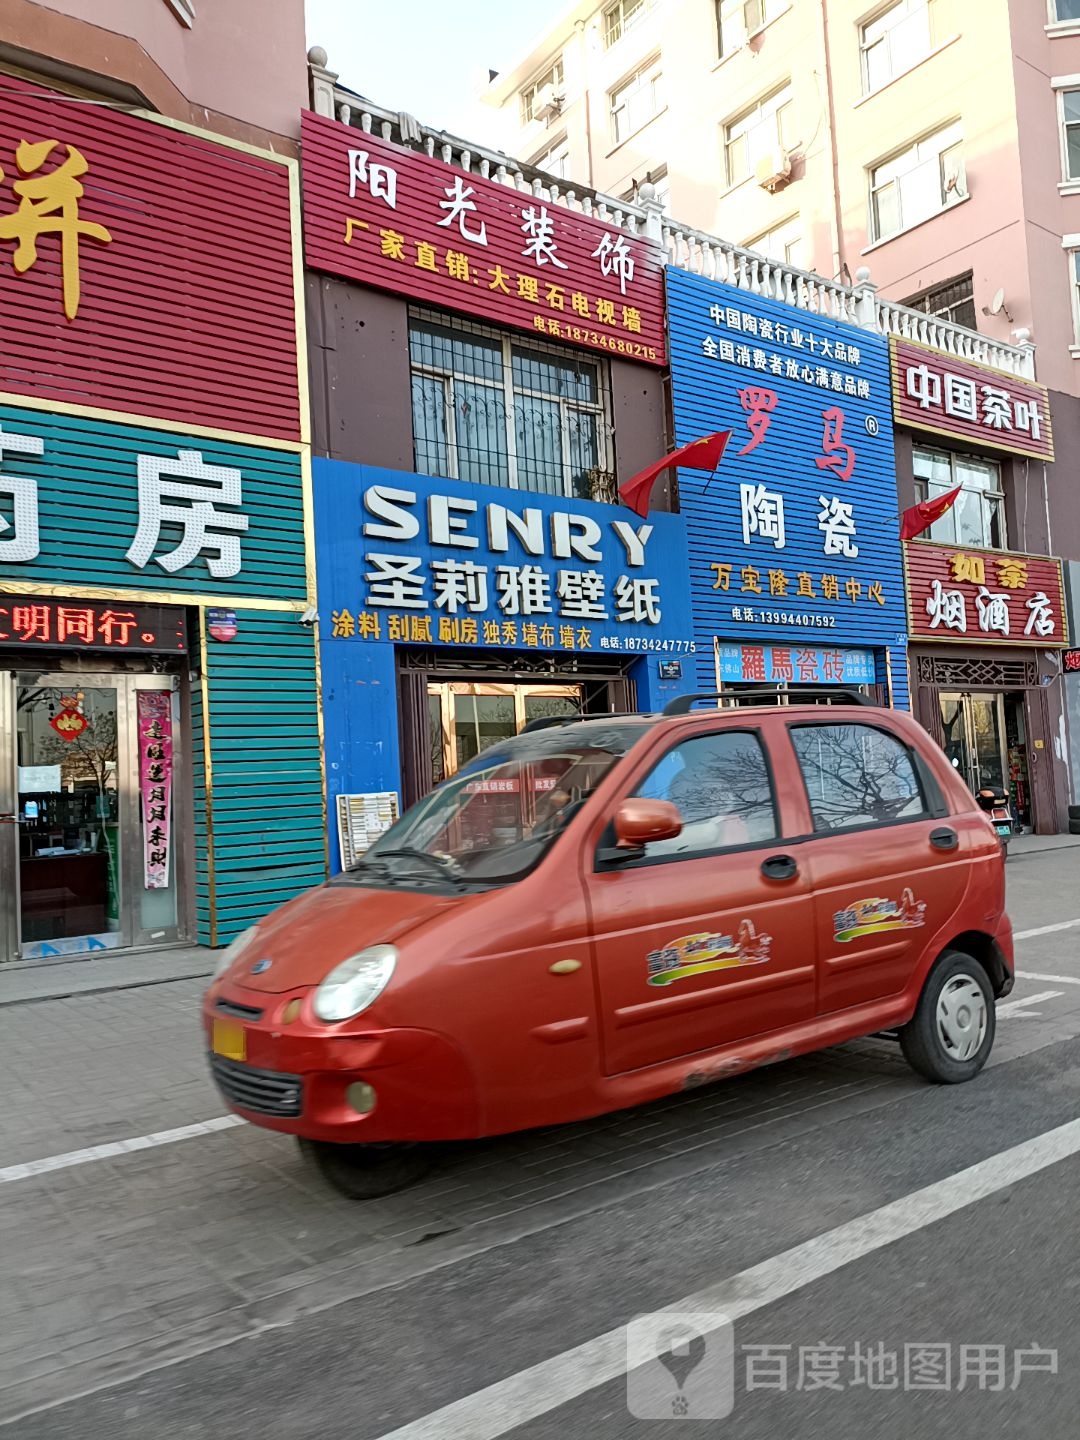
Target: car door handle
944,839
779,867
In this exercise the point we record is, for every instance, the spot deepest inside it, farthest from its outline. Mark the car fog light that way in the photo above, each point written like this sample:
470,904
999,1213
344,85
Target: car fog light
291,1011
361,1096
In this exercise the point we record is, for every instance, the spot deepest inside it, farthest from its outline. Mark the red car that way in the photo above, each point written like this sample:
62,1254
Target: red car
600,912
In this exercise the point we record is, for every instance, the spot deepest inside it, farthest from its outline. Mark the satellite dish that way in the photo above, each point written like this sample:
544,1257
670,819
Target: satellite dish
997,304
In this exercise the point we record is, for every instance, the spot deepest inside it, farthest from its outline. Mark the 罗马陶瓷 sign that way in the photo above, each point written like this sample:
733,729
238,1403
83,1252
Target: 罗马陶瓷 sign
984,596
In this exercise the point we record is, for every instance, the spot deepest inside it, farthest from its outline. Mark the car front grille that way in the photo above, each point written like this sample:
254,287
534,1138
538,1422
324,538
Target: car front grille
264,1091
241,1012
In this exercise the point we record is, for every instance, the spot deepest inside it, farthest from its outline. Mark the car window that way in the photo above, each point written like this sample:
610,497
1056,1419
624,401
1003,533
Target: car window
720,784
857,775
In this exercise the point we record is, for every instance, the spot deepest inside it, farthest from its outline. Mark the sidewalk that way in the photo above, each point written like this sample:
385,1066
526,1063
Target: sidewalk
95,974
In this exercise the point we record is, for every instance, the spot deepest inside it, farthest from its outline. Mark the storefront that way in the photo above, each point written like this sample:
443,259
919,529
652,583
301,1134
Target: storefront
160,766
794,558
987,623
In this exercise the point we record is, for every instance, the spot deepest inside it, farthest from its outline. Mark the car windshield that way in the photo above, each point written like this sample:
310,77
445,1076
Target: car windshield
494,820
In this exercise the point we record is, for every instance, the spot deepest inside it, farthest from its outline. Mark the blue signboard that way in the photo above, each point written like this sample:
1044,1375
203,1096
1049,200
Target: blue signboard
795,665
409,559
794,542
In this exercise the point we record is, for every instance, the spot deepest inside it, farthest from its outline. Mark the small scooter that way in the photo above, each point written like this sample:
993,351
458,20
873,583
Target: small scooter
996,804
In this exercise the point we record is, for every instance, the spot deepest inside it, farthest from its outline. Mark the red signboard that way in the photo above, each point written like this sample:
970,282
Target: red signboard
401,221
986,597
32,622
144,269
989,408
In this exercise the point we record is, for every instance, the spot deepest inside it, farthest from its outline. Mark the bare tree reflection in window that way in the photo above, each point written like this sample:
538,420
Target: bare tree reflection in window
856,775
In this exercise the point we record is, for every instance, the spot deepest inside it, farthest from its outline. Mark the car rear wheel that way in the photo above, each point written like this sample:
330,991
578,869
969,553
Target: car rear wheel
364,1172
951,1034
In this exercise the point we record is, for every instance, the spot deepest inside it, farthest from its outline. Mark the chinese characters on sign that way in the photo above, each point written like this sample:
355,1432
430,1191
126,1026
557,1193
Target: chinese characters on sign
406,222
793,665
916,1366
985,596
935,391
84,625
155,783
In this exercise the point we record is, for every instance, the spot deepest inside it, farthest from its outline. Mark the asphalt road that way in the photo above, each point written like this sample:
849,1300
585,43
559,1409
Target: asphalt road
899,1259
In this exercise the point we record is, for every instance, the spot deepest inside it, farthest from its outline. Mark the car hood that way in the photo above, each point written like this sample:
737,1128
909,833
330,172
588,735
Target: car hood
305,939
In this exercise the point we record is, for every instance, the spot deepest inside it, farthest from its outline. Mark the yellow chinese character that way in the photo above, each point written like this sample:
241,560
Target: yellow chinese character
49,205
457,265
420,628
605,312
448,630
530,633
580,304
547,636
470,631
1013,574
852,589
806,586
723,576
830,587
968,567
528,288
344,626
554,327
509,632
751,579
556,297
491,632
351,225
539,323
566,637
367,625
584,638
398,627
426,256
392,244
631,318
500,280
778,582
875,592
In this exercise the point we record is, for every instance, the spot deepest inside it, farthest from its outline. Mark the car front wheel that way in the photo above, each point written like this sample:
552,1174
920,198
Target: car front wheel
951,1034
365,1172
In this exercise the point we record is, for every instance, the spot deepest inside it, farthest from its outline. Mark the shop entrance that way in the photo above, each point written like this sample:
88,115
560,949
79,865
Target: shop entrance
985,737
465,717
88,776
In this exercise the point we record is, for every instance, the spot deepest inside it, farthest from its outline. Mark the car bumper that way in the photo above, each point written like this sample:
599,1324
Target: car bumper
1003,943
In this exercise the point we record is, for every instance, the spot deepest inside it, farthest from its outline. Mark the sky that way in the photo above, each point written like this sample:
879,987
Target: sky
373,46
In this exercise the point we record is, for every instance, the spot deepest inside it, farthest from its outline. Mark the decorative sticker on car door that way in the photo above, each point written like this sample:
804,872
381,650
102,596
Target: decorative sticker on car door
697,954
870,917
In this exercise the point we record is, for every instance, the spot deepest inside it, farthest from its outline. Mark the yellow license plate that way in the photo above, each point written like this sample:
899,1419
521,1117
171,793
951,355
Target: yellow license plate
229,1040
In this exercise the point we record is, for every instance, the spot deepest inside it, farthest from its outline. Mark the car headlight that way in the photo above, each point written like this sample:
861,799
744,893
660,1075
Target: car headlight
233,952
355,983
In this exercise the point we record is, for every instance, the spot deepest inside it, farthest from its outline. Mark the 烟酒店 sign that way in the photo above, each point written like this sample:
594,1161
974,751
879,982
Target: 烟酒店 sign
988,408
396,220
984,596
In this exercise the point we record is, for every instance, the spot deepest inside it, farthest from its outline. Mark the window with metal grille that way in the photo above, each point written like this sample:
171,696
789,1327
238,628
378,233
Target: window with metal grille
502,410
550,80
621,17
954,300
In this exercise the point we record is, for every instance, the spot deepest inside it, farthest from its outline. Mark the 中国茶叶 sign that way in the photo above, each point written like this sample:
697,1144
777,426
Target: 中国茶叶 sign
415,560
985,596
401,221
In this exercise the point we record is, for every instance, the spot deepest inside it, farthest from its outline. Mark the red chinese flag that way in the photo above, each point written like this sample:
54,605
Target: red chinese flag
920,517
703,454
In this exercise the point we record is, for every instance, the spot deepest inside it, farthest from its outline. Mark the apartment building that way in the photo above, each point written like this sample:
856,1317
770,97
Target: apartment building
936,142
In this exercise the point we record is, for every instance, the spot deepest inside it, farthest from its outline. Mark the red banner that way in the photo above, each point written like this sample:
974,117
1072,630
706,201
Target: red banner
989,408
986,597
401,221
144,269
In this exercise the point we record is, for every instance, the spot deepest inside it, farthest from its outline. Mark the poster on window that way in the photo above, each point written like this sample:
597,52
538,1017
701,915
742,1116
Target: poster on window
155,784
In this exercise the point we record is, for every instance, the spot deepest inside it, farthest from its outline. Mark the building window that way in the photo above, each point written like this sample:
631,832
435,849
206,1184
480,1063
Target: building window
636,101
953,301
658,179
621,17
757,133
555,160
918,183
184,10
1070,122
894,41
782,243
1062,10
737,20
551,80
978,517
499,410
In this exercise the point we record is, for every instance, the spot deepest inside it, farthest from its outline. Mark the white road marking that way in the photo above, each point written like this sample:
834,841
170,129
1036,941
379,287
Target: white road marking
1057,979
1019,1008
1046,930
510,1403
116,1147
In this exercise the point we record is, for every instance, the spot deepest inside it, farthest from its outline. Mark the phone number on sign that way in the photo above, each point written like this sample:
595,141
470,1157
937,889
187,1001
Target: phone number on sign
646,642
783,617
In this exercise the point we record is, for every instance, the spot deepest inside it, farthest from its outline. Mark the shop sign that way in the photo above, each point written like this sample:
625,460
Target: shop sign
415,560
221,624
402,221
100,212
167,512
793,543
990,409
34,621
1070,661
155,783
794,665
984,596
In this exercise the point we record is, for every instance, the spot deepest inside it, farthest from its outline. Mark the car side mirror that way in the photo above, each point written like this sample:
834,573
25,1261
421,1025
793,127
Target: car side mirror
644,822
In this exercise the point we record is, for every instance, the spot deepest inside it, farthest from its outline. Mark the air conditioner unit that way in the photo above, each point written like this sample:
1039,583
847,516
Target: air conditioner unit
546,103
773,170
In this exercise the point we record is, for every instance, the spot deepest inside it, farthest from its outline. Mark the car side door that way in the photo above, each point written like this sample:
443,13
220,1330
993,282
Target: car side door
705,939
